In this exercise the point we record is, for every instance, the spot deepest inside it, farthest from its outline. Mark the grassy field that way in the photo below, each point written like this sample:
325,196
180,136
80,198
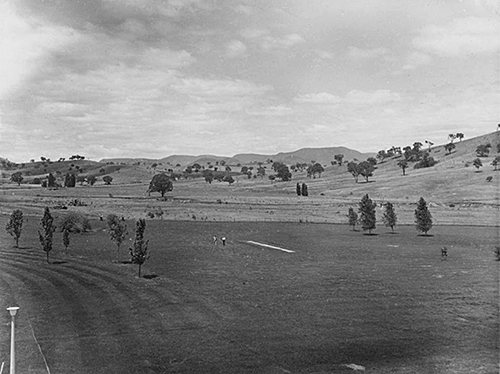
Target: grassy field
386,302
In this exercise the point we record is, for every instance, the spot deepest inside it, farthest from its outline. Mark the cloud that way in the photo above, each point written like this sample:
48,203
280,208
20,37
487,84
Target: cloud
25,44
235,48
271,43
318,98
462,36
416,59
366,53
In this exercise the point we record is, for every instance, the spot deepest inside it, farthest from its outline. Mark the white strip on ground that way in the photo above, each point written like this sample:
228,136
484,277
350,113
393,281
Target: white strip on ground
39,348
270,246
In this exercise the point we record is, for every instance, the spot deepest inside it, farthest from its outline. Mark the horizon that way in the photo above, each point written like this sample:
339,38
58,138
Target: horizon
149,79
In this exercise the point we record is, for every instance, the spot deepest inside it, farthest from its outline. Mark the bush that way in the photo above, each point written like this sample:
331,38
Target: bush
75,223
426,162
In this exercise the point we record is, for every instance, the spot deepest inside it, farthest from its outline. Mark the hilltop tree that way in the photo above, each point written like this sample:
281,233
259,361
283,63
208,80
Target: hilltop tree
452,137
161,183
107,179
15,225
477,163
459,136
449,147
382,155
423,217
403,164
389,218
46,236
117,230
298,189
353,218
372,160
430,144
139,252
367,214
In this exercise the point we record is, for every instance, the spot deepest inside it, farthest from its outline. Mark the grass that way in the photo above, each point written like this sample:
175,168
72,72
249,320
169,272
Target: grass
386,302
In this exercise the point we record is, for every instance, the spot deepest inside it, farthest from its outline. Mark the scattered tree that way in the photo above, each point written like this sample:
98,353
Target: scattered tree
139,252
339,158
353,218
483,150
426,161
389,218
367,214
107,179
423,217
452,137
91,179
208,175
15,225
117,230
282,171
366,169
477,163
17,177
495,162
403,164
229,179
459,136
449,147
46,236
161,183
353,168
69,180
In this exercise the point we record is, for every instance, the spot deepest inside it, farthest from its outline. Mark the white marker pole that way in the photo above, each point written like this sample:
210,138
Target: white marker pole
12,310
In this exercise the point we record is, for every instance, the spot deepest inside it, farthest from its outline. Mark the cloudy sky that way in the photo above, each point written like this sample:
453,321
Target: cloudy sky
150,78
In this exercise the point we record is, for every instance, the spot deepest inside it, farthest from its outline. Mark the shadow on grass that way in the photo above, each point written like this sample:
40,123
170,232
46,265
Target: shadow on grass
150,276
370,234
426,235
58,262
24,247
125,262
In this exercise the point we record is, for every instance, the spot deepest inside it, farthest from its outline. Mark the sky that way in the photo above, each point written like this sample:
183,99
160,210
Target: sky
152,78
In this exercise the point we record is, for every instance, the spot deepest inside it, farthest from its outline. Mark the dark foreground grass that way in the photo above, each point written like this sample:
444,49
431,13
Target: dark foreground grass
386,302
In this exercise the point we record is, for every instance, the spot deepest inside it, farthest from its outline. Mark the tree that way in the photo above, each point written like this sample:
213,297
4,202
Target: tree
426,161
452,137
117,230
69,180
366,169
339,158
353,218
229,179
91,179
208,175
372,160
495,162
353,168
298,189
139,252
403,164
477,163
107,179
449,147
282,171
483,150
389,218
17,177
244,169
423,217
459,136
430,144
161,183
15,225
315,169
305,192
367,214
261,171
382,155
46,236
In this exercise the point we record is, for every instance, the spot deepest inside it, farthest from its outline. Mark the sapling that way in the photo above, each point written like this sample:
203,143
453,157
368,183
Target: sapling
139,252
15,225
46,236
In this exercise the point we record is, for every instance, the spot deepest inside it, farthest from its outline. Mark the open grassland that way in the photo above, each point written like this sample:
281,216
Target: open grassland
385,302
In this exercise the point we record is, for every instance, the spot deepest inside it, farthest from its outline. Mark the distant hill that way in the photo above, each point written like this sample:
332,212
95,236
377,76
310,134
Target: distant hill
303,155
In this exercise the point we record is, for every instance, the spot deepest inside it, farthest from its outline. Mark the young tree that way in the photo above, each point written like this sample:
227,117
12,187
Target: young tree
117,230
17,177
15,225
161,183
46,236
403,164
353,218
389,218
139,252
367,214
107,179
477,163
423,217
298,189
305,192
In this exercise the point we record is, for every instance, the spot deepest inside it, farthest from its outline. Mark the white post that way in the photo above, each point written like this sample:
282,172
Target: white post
12,310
